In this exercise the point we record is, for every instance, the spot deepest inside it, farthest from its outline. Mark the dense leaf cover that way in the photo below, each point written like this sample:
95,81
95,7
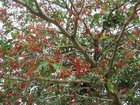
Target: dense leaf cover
69,52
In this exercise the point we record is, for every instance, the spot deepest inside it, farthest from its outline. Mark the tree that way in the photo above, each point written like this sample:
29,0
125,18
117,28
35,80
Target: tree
70,52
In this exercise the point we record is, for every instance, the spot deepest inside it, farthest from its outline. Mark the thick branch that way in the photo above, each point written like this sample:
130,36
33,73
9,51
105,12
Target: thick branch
83,51
116,98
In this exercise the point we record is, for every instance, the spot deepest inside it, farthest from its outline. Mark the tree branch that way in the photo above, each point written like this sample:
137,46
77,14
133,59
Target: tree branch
64,32
47,80
75,28
83,51
25,5
45,17
38,7
116,98
73,6
121,35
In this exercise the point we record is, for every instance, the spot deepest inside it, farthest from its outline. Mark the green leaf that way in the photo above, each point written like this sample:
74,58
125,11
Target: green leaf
95,19
6,46
110,86
132,36
31,4
122,1
57,92
43,69
92,24
1,42
9,41
104,37
45,65
7,31
14,34
96,16
38,63
56,65
135,60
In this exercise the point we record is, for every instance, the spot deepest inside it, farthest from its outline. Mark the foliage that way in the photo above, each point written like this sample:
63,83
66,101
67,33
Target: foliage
69,52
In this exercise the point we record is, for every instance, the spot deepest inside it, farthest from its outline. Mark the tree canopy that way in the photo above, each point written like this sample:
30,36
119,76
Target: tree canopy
70,52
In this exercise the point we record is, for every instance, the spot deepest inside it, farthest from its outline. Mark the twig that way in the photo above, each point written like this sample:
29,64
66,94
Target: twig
73,6
51,7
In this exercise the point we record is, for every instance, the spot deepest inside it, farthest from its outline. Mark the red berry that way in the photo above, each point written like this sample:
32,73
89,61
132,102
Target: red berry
71,96
134,32
118,65
87,30
107,33
96,49
23,85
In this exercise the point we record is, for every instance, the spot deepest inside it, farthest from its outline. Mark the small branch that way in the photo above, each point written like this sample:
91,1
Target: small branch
76,21
64,7
47,80
51,7
69,46
25,5
38,7
68,53
106,47
91,35
73,6
117,7
67,24
75,28
82,6
116,99
67,7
